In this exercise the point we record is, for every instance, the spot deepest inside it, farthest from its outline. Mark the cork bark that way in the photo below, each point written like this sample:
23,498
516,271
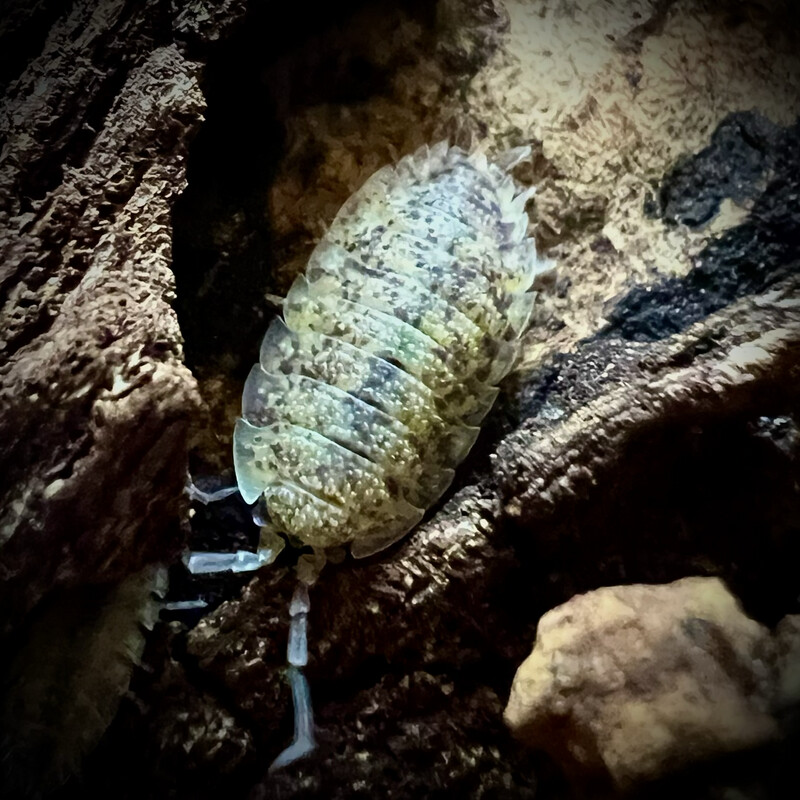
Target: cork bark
94,398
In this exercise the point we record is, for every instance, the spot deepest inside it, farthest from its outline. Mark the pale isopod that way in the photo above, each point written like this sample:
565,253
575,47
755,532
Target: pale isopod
369,392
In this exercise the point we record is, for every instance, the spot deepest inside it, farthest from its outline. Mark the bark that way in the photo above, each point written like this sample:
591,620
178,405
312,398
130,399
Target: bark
94,398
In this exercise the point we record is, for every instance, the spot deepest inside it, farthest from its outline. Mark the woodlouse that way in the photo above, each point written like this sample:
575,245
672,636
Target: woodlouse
370,389
369,392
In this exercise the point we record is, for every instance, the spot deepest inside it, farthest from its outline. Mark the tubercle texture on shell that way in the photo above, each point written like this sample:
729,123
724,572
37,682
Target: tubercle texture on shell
369,391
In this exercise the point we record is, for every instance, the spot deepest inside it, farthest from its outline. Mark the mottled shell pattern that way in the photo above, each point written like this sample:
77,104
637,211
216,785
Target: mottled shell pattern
370,389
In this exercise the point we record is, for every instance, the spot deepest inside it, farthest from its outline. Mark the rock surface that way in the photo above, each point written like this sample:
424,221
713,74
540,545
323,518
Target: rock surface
627,683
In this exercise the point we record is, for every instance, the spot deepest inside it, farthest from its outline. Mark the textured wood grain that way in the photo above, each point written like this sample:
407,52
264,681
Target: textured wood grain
741,361
94,399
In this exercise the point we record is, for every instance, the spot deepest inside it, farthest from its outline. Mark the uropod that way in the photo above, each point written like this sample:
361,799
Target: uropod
370,389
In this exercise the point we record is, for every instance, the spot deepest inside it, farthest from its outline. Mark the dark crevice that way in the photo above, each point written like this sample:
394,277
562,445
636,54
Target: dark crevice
744,151
224,249
24,27
722,499
83,138
141,762
73,134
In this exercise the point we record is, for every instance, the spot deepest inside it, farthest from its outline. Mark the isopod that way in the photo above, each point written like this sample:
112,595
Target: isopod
370,390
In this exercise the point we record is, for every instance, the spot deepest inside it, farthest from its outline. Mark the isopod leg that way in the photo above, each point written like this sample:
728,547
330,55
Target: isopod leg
209,497
270,546
270,543
297,655
204,563
303,742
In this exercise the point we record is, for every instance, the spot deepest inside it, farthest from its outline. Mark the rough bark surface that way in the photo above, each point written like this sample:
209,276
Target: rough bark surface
94,399
739,362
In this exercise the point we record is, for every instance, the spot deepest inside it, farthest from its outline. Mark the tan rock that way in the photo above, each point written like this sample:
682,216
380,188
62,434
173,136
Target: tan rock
627,683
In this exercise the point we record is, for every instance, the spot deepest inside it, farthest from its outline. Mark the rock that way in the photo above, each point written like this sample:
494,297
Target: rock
628,683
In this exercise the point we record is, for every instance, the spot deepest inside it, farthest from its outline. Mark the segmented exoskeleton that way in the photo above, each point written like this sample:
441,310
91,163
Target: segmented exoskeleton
369,391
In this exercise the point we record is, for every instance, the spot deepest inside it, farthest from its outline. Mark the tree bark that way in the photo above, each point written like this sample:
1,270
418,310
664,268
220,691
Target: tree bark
94,398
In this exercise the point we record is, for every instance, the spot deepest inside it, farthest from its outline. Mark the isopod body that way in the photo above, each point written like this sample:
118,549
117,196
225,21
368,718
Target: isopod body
370,389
